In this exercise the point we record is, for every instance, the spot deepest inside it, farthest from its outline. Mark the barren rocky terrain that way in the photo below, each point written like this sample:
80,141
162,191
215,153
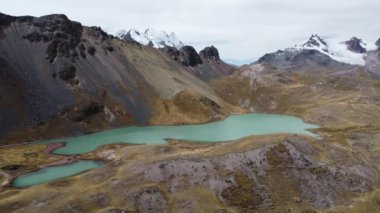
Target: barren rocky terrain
274,173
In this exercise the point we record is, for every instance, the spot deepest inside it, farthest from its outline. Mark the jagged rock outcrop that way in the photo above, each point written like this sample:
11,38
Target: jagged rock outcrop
61,34
355,45
210,53
187,55
206,65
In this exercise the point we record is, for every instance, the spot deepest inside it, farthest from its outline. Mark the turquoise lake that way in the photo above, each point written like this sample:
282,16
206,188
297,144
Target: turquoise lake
53,173
232,128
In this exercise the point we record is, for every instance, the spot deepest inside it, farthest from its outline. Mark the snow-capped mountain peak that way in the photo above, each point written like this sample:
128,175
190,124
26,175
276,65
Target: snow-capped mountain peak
150,36
350,52
133,35
316,41
155,34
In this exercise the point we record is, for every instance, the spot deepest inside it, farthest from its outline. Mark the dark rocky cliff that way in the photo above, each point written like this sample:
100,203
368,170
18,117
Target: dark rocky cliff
355,45
210,53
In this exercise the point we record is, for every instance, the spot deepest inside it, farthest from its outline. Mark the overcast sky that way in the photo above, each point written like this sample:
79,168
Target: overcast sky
242,30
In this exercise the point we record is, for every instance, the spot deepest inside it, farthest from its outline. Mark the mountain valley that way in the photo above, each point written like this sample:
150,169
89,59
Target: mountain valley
61,79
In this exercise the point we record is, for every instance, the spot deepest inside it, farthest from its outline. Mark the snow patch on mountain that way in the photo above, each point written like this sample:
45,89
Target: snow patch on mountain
158,39
335,49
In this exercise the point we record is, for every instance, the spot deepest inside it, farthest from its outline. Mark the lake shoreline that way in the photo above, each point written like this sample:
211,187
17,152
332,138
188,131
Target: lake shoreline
52,146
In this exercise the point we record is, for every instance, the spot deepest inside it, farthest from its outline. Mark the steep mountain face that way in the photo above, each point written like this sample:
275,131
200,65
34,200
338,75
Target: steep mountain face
60,78
319,52
157,39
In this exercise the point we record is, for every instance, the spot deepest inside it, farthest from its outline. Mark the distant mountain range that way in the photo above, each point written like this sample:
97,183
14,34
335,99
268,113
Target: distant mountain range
351,51
320,51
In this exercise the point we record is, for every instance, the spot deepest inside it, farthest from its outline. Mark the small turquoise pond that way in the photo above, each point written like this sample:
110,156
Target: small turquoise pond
53,173
232,128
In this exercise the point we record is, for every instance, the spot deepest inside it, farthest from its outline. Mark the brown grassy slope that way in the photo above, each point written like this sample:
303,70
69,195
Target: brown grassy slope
325,98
